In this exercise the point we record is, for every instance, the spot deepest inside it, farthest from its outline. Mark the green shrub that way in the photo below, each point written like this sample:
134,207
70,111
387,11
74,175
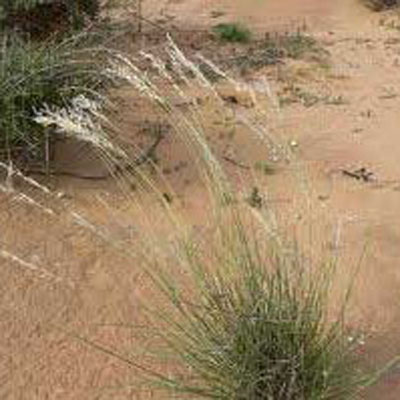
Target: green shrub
32,75
232,32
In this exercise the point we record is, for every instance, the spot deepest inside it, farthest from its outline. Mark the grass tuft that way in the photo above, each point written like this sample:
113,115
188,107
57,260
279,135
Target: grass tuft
232,32
255,327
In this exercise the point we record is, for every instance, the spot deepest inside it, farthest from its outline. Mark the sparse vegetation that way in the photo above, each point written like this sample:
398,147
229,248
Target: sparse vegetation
295,45
295,94
232,32
275,48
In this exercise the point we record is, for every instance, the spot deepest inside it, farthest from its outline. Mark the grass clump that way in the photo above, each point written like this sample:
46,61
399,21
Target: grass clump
255,327
232,32
33,75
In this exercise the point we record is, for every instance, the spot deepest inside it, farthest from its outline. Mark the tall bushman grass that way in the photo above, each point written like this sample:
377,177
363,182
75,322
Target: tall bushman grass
254,325
239,313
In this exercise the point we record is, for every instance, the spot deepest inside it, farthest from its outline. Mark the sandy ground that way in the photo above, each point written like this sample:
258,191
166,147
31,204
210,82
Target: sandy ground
70,281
